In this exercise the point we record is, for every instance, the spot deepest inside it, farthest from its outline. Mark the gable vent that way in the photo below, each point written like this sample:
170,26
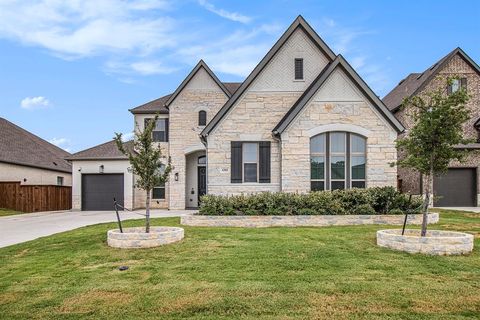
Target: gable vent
298,69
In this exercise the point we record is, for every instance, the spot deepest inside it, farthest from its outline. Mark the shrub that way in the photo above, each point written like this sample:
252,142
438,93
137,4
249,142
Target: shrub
378,200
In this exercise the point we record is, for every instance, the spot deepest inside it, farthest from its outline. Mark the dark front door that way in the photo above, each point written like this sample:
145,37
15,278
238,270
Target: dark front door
202,182
457,188
98,191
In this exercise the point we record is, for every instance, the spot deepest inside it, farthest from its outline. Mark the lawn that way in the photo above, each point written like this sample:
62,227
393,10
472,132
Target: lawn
233,273
8,212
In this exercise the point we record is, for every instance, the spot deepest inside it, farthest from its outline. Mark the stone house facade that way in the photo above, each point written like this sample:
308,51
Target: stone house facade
459,187
302,120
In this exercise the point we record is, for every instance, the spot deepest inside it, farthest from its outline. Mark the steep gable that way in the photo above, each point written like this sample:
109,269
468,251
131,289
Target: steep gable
338,82
298,24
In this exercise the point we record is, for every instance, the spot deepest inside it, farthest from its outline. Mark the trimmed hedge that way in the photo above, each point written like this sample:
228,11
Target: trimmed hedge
384,200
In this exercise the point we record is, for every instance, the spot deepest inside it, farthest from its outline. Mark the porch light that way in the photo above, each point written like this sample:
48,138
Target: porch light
101,168
176,176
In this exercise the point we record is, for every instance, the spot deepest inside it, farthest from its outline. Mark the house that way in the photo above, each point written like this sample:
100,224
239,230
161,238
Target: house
302,120
30,160
460,185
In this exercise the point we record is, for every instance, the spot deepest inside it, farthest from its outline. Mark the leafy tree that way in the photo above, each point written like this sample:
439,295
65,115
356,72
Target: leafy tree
429,146
146,161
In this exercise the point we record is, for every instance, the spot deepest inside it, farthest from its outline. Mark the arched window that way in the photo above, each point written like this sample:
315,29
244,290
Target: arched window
202,118
337,161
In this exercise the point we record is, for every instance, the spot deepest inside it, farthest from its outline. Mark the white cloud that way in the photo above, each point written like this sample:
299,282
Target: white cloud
61,143
233,16
144,68
33,103
127,136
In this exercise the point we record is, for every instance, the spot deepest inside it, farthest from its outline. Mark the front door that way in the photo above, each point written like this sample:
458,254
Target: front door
202,182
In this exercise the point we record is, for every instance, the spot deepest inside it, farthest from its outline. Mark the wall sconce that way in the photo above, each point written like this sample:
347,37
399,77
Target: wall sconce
80,169
176,176
129,169
101,168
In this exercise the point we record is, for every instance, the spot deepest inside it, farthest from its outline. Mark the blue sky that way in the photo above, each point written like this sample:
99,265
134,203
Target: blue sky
70,70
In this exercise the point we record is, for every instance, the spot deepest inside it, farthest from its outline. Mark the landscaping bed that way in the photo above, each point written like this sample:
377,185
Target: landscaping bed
303,221
371,201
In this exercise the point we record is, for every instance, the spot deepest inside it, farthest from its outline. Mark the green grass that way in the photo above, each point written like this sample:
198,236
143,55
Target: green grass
8,212
233,273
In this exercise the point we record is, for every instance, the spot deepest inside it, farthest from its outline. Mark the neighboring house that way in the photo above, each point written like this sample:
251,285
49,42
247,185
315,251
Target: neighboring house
30,160
302,120
459,187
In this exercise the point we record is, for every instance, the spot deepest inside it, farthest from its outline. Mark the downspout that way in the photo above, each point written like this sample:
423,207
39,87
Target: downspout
276,136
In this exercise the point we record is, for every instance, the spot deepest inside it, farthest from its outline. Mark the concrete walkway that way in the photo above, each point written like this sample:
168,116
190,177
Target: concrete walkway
24,227
470,209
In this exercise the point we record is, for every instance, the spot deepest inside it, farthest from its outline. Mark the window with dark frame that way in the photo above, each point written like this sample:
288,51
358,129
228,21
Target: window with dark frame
160,132
298,69
202,118
337,161
456,84
158,192
59,181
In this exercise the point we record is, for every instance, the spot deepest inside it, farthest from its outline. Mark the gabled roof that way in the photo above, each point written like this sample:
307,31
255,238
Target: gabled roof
298,23
339,62
104,151
154,106
18,146
200,64
415,82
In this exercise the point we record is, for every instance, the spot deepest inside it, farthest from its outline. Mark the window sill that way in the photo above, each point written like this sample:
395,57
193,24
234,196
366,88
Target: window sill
298,80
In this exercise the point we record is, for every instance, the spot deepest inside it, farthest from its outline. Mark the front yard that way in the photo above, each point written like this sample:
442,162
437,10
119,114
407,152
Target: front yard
225,273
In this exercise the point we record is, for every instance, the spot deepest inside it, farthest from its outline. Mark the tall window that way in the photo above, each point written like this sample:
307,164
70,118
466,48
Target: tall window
202,118
59,181
250,162
456,85
158,192
298,69
160,132
337,161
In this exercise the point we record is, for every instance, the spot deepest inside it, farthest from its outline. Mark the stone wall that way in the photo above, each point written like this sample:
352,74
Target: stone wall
132,238
411,181
338,106
202,93
435,243
301,221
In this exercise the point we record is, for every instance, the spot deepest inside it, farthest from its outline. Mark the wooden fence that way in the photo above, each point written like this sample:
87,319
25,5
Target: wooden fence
34,198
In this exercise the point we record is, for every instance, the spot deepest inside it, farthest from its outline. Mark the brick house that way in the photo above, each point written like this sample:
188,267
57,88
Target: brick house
459,187
302,120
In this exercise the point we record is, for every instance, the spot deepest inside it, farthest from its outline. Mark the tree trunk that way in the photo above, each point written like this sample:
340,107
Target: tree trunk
426,204
147,213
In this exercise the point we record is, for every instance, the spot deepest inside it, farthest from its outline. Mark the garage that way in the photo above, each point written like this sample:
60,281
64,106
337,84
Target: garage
98,191
457,188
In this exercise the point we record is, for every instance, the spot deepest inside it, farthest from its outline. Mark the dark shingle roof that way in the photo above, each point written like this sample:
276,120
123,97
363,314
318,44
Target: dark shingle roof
415,82
104,151
19,146
158,105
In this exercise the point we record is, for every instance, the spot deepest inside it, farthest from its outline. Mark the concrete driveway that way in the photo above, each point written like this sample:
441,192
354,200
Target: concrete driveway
24,227
470,209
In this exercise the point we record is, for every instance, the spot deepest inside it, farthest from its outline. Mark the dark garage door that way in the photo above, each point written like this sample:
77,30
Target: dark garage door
98,191
458,188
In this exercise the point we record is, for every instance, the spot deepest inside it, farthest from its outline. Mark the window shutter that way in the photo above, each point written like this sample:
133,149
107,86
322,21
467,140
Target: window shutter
298,69
449,89
463,83
166,130
265,147
236,159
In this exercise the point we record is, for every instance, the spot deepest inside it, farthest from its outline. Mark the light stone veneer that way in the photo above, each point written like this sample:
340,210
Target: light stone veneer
137,238
436,242
338,103
201,93
302,221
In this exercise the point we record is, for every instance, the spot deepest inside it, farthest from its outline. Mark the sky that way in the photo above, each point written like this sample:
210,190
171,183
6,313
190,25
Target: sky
70,70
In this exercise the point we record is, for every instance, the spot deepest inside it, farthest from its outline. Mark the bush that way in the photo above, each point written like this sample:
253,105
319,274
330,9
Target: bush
378,200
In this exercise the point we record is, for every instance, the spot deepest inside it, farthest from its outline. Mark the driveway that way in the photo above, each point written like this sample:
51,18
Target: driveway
470,209
24,227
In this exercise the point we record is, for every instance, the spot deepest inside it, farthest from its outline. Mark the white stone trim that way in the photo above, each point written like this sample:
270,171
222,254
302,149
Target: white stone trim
201,108
339,127
195,148
250,137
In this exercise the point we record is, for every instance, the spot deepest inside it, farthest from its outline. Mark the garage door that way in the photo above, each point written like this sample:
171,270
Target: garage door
98,191
458,188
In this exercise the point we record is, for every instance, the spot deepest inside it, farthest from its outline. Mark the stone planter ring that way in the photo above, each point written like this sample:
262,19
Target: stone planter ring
137,238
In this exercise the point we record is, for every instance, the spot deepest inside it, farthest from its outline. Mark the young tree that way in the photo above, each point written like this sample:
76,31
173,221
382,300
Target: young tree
146,161
430,145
